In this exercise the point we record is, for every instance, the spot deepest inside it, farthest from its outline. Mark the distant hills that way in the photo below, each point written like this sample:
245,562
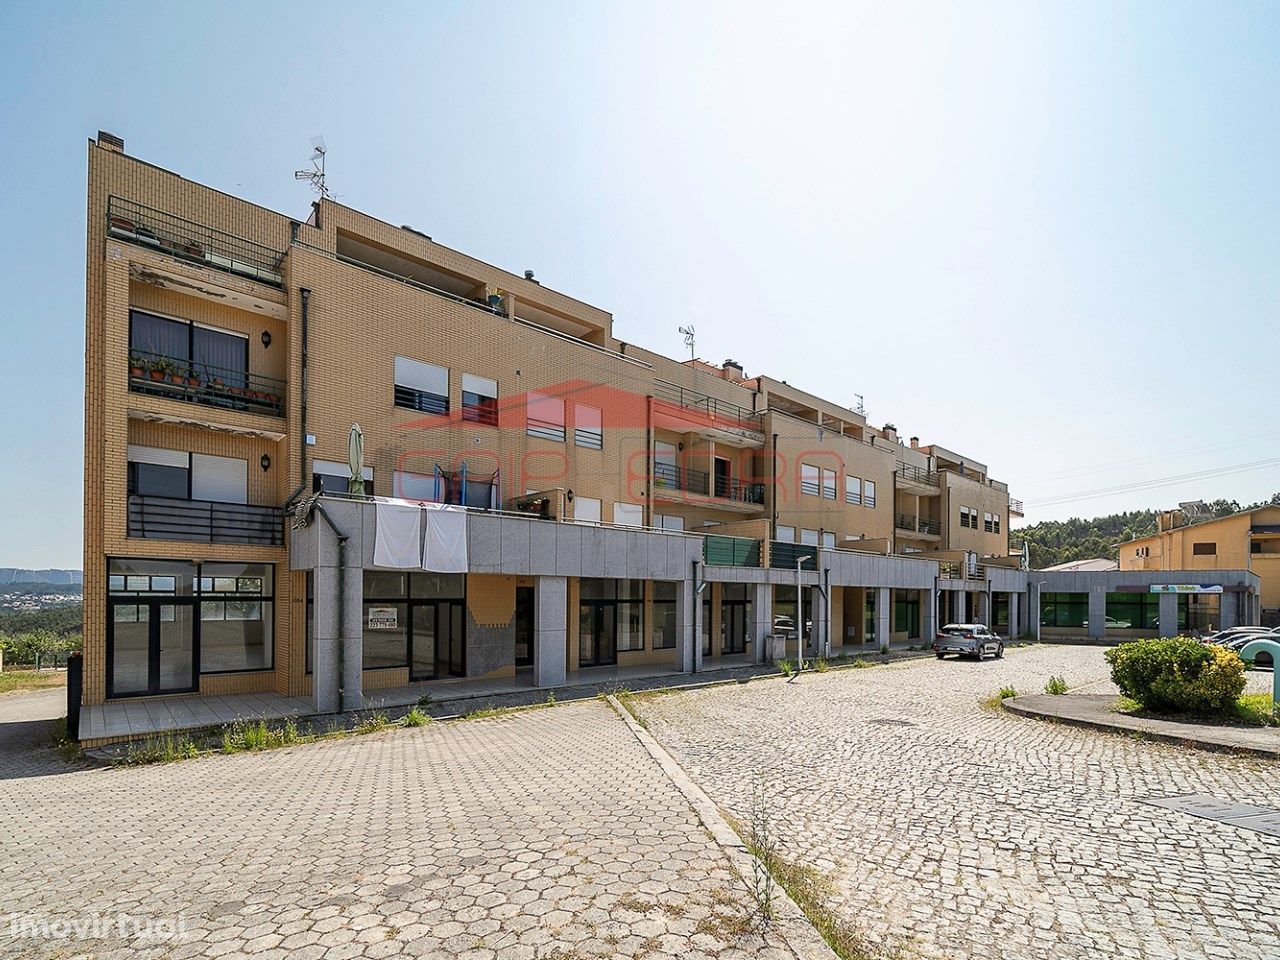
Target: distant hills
10,575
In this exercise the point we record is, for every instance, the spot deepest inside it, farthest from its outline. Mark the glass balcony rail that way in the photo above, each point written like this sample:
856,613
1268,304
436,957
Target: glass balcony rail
194,242
204,521
204,383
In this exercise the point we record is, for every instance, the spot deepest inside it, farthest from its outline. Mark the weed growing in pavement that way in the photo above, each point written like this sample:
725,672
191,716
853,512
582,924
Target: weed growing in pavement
820,665
786,667
1056,686
162,749
415,718
761,842
993,702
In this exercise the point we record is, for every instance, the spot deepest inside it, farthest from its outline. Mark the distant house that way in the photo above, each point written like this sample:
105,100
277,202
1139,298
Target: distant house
1096,564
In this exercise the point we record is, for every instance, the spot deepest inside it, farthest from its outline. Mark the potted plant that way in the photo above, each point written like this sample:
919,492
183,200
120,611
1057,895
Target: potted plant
176,374
159,370
494,296
192,379
136,367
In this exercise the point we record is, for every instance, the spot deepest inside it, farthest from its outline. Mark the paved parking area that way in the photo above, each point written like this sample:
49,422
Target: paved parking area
953,831
548,833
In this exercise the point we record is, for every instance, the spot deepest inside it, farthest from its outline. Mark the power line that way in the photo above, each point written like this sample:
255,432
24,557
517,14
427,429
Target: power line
1154,484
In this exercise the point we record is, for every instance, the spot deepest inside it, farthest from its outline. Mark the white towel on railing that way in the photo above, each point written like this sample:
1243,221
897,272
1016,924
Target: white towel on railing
398,535
444,549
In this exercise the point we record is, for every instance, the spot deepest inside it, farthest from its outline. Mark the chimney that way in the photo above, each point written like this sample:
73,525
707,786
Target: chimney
733,371
915,443
109,141
890,433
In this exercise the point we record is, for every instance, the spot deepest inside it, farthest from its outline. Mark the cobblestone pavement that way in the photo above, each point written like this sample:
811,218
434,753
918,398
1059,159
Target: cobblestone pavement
546,833
954,831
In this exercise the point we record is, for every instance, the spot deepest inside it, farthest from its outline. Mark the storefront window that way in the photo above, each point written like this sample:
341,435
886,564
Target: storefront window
1064,609
664,615
236,604
906,613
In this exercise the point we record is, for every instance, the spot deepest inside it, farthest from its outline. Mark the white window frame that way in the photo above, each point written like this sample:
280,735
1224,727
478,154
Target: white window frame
404,483
786,534
424,378
853,490
586,509
828,484
588,426
548,424
868,493
631,514
810,480
809,538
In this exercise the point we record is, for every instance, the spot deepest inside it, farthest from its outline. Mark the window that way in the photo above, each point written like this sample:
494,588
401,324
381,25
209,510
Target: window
995,523
628,514
667,522
207,352
1204,549
809,537
421,386
545,417
586,509
810,479
220,479
829,540
479,399
664,615
868,493
159,473
987,524
330,476
1133,611
828,484
786,534
1064,609
236,601
969,518
853,491
1255,546
414,486
630,614
906,613
587,427
398,604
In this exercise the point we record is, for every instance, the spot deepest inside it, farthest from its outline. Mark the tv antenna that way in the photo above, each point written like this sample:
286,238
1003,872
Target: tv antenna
315,176
688,338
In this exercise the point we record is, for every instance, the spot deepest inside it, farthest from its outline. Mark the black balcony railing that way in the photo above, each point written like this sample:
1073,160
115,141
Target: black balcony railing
911,473
204,521
204,383
785,555
905,521
669,476
720,551
194,242
721,410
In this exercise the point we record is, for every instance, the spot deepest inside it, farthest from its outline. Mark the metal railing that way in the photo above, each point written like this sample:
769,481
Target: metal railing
704,403
955,570
191,241
784,555
418,284
204,383
204,521
669,476
1015,506
915,474
721,551
904,521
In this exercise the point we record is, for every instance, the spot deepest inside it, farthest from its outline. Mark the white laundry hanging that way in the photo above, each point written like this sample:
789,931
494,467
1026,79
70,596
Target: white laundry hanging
398,536
444,548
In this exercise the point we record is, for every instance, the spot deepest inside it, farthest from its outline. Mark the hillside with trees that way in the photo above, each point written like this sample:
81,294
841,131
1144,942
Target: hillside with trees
1061,541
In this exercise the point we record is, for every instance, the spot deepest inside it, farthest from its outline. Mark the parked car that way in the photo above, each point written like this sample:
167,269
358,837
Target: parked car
967,640
784,626
1114,624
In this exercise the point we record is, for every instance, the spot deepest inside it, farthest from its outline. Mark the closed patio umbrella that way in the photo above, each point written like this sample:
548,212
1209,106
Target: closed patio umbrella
355,459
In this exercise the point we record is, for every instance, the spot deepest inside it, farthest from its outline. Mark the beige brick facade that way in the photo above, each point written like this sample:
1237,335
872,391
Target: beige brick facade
360,318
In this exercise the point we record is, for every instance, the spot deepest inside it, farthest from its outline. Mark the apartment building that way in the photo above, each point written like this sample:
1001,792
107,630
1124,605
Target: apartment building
1248,540
621,508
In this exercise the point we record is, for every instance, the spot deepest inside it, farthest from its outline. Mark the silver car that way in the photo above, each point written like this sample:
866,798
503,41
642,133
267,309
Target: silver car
967,640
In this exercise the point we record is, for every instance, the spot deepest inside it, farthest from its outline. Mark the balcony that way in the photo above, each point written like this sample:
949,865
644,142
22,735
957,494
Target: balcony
688,411
203,383
917,525
671,482
1015,508
955,570
913,479
720,551
193,242
204,521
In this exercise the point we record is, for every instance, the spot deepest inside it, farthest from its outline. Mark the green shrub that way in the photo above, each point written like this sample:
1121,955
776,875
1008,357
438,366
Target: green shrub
1178,675
415,718
1056,686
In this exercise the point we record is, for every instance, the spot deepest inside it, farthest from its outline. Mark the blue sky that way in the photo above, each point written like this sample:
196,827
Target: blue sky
1045,235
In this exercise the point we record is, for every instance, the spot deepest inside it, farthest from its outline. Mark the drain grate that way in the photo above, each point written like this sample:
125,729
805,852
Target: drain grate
1246,816
887,722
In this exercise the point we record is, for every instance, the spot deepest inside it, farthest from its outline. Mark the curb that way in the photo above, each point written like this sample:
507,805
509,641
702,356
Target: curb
1010,705
797,932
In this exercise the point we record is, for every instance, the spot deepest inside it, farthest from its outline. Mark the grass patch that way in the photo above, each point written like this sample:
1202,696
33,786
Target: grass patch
1251,710
16,681
786,667
821,665
61,740
415,718
993,702
1056,686
162,749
